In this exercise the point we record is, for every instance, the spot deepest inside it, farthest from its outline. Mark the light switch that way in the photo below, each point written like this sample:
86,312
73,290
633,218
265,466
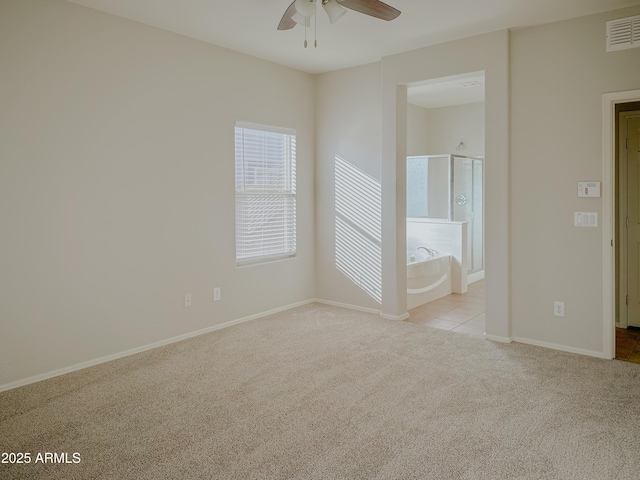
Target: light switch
585,219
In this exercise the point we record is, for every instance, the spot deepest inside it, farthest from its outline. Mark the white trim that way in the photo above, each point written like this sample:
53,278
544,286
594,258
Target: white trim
563,348
475,277
265,128
144,348
609,101
348,306
264,259
399,318
496,338
364,309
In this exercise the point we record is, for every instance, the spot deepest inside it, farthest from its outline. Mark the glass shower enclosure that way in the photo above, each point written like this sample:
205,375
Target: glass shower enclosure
449,187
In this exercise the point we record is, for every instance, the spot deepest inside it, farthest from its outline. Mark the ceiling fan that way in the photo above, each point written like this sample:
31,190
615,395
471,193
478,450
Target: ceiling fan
301,11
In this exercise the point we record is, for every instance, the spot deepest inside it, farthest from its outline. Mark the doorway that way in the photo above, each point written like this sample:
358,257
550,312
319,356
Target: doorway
627,158
445,202
611,249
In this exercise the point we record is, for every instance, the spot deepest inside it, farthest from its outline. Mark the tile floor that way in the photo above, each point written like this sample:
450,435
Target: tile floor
465,313
628,344
456,312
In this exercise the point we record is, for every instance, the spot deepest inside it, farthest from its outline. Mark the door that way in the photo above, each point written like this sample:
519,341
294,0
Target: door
467,206
631,142
477,225
462,199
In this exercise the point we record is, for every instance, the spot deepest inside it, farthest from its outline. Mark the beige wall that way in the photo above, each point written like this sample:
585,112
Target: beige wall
348,125
448,126
116,179
117,185
433,131
417,130
558,75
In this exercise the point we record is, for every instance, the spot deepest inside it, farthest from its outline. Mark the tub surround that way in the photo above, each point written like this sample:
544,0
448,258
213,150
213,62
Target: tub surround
446,238
426,272
428,278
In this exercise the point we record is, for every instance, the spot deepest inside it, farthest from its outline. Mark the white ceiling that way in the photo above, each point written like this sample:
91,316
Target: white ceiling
444,92
250,26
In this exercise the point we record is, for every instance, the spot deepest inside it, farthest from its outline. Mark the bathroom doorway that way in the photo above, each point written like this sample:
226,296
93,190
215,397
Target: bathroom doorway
445,202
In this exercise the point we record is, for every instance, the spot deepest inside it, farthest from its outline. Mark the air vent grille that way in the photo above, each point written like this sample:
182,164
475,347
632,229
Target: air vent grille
623,33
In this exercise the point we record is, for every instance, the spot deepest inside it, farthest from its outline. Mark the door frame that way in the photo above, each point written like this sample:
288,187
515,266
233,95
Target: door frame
609,234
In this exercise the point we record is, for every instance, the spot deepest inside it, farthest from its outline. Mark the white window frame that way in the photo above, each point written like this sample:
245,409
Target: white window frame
260,239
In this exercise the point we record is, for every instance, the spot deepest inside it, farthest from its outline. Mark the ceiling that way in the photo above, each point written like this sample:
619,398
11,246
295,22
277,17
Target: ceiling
250,26
445,92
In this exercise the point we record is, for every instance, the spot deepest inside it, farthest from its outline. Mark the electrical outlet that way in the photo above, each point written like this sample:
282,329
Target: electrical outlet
216,294
558,309
187,299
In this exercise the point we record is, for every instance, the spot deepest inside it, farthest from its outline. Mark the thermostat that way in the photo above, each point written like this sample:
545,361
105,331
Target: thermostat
588,189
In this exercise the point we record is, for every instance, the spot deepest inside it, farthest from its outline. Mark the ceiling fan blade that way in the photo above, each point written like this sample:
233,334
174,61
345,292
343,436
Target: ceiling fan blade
374,8
287,19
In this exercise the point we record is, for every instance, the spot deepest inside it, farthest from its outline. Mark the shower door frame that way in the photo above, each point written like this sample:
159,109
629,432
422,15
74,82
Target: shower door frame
452,158
451,174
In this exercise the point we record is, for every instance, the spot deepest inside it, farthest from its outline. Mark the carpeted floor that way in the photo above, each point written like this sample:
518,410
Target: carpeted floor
321,392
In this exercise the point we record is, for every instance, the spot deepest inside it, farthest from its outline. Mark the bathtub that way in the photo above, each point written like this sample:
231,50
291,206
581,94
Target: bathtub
428,277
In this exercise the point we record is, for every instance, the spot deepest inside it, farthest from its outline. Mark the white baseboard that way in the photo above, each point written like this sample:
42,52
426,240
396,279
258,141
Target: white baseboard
496,338
563,348
144,348
364,309
475,277
108,358
348,306
394,317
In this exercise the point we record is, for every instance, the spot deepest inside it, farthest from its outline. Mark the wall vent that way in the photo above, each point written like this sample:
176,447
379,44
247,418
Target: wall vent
623,33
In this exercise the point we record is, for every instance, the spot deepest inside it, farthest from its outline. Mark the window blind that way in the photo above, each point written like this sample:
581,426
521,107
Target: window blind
265,161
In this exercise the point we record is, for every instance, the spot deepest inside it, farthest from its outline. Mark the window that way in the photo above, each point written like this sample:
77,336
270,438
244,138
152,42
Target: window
265,192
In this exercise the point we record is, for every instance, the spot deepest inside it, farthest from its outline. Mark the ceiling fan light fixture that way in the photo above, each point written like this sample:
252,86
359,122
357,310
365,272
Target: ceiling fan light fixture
306,8
334,10
301,19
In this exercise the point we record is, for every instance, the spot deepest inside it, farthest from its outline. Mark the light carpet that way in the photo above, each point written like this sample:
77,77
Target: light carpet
320,392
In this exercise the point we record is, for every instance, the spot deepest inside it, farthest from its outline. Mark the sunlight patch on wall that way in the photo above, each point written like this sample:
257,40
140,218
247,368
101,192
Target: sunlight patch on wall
358,227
